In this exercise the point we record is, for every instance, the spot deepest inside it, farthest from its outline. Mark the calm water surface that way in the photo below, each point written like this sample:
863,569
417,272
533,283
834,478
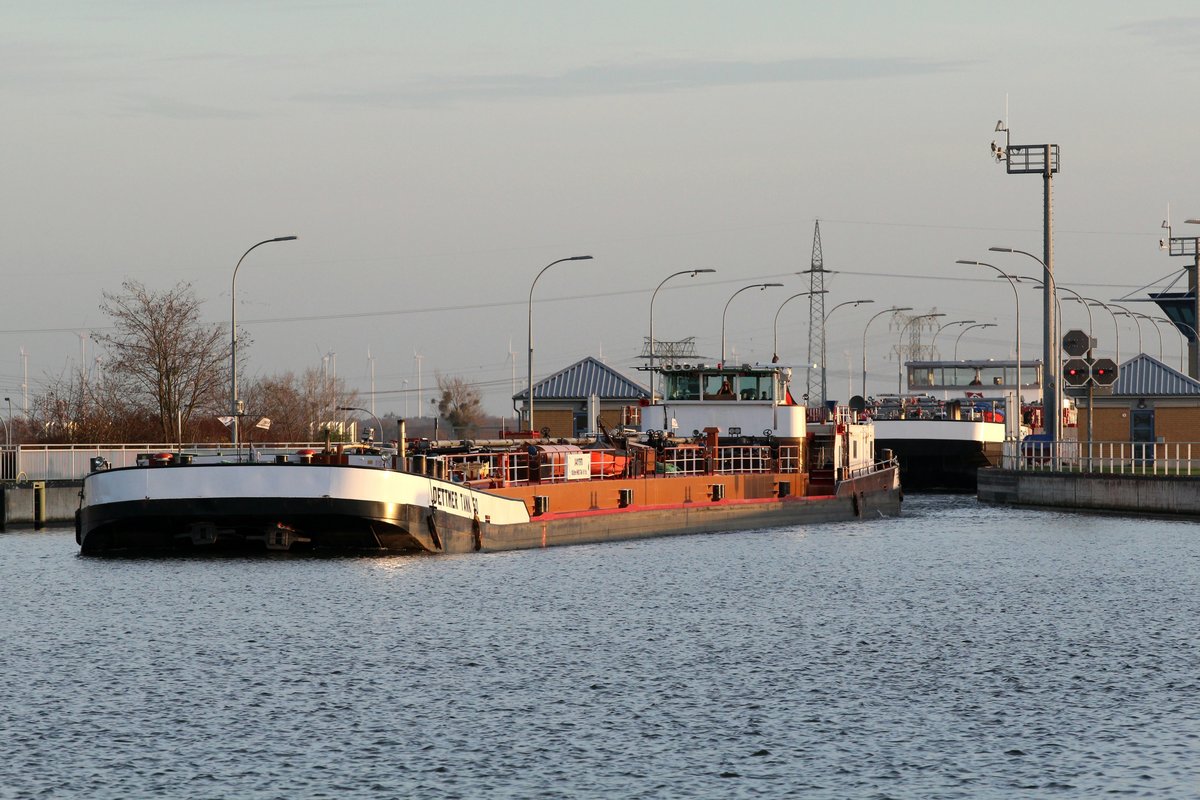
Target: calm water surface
962,651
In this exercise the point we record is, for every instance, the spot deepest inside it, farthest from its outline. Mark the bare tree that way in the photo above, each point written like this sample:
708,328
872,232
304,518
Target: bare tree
169,361
300,408
460,404
77,407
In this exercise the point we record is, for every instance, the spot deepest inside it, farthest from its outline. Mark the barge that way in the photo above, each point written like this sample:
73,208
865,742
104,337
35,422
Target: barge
699,473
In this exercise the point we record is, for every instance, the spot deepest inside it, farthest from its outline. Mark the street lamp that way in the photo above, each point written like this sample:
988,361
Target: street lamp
530,364
1087,304
1051,333
233,384
892,310
693,273
900,350
1017,302
760,287
958,338
1153,322
1134,316
775,327
933,342
824,319
364,411
8,425
1182,340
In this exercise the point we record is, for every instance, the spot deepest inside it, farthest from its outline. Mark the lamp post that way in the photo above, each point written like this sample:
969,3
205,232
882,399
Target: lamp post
1017,303
1087,304
760,287
530,330
900,350
1183,339
824,319
8,425
892,310
1040,159
1133,315
1052,363
958,338
1153,322
369,413
693,273
1116,325
775,327
933,342
233,383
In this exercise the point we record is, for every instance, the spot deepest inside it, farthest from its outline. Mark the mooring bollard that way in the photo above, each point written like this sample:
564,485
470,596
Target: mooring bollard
39,505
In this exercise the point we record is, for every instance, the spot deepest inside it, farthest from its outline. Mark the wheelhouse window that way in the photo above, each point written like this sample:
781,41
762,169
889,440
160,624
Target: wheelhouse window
682,386
755,387
718,387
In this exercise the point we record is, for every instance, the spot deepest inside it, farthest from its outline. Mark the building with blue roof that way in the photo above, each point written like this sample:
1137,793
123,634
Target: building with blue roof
569,402
1149,402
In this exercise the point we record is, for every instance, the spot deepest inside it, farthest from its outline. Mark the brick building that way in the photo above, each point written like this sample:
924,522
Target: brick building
561,401
1150,402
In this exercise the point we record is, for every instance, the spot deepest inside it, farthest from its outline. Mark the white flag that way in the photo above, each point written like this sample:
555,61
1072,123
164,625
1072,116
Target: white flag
264,423
226,421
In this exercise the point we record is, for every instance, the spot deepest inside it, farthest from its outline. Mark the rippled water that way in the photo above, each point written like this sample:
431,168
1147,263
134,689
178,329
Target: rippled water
962,651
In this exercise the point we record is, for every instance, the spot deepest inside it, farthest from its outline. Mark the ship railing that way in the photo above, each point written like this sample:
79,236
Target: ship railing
512,467
1103,457
869,469
509,468
840,415
500,469
688,460
791,459
743,459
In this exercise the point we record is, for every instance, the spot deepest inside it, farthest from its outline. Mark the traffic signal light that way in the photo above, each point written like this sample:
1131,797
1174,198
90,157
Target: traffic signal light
1076,372
1104,371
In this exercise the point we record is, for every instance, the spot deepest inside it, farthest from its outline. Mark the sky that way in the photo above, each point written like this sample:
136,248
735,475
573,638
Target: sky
433,157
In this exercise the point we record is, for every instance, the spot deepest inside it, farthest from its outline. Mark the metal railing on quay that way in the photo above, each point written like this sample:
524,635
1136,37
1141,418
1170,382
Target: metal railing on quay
1106,458
65,462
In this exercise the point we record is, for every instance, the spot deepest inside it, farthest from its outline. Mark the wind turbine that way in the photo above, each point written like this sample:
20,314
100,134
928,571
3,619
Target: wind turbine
420,396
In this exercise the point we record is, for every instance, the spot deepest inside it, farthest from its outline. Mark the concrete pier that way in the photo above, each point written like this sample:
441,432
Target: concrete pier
38,503
1174,496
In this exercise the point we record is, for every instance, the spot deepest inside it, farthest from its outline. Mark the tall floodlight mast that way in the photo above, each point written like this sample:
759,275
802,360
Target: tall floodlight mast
1040,159
816,311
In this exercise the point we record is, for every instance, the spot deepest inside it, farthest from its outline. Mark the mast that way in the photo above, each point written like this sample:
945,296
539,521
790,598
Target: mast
816,315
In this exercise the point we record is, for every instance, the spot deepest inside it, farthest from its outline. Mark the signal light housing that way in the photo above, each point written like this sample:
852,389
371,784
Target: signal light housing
1104,371
1077,372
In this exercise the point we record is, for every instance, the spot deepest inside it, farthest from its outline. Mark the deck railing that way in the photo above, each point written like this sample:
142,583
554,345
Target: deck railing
508,468
73,462
1109,458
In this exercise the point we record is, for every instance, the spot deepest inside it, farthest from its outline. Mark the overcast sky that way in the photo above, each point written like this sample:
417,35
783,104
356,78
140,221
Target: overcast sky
432,157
